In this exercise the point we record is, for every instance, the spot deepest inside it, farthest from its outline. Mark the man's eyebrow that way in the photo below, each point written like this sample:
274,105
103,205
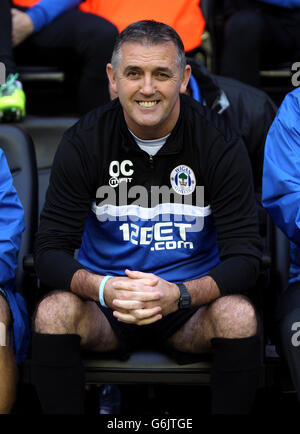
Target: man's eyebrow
137,68
164,69
130,67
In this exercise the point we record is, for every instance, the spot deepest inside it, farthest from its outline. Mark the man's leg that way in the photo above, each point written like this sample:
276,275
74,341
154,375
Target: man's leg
287,325
257,40
289,345
242,40
228,328
6,52
64,324
80,43
12,97
8,367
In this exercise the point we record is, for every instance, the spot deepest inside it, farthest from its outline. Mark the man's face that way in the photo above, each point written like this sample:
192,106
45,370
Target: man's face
148,83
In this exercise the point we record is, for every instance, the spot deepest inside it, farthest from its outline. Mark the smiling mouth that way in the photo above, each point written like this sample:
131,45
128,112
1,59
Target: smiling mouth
147,104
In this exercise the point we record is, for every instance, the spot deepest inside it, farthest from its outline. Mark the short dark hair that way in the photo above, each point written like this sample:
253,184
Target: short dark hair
149,32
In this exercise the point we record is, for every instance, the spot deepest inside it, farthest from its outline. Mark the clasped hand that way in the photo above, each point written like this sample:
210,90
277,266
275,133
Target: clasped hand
141,298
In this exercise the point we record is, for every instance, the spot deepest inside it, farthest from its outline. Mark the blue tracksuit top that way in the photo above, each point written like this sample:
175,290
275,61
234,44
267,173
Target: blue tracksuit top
11,226
46,11
284,3
281,175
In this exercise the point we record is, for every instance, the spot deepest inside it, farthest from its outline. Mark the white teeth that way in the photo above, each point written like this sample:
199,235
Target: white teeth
147,103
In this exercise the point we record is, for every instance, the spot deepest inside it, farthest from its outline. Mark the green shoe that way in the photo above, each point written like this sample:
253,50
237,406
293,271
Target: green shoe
12,100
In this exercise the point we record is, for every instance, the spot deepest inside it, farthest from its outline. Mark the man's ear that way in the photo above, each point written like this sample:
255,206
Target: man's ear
185,78
111,77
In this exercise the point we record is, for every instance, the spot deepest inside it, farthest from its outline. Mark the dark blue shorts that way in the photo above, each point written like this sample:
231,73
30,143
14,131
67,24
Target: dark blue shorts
155,335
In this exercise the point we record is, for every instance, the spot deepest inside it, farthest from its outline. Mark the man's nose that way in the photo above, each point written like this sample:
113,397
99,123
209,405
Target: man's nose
148,85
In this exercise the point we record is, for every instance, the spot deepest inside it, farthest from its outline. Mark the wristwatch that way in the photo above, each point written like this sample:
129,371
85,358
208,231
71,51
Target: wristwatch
185,298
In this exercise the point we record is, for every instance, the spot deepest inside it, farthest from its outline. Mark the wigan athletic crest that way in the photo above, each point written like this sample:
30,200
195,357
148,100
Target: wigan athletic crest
183,180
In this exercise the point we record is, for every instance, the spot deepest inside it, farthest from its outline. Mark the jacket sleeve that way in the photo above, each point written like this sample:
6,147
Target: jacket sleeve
283,3
11,223
281,180
46,11
230,187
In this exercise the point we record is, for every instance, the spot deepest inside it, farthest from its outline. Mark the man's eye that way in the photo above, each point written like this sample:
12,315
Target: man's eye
132,74
163,75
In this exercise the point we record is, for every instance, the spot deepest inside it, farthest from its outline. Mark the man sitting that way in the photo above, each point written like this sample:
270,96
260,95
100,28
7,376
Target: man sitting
161,204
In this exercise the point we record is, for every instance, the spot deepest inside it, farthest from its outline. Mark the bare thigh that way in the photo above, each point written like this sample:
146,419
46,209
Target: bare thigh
194,335
5,320
100,336
5,316
229,317
62,312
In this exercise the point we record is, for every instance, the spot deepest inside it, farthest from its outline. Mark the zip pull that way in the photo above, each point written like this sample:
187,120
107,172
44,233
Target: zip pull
151,161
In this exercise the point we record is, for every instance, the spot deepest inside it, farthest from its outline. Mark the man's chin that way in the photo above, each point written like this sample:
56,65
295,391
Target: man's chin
149,125
150,119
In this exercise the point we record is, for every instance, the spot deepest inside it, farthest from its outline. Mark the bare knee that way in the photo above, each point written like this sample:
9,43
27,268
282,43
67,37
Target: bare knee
232,316
58,313
5,322
4,312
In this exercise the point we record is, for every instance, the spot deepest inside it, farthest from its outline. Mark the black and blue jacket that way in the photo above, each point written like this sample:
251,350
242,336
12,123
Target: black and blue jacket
180,236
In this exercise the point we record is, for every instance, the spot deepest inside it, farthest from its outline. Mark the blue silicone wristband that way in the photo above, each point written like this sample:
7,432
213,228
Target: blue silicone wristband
101,290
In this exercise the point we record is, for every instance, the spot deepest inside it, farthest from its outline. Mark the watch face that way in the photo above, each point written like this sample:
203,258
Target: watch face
185,301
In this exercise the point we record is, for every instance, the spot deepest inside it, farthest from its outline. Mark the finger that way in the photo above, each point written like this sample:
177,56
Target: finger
128,318
133,285
128,304
141,314
133,282
150,320
136,315
140,275
138,296
123,310
131,320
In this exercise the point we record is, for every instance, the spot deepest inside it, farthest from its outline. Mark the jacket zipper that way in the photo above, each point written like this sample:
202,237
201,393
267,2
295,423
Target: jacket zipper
151,161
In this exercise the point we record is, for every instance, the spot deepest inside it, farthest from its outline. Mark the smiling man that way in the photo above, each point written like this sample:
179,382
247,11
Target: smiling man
148,79
158,263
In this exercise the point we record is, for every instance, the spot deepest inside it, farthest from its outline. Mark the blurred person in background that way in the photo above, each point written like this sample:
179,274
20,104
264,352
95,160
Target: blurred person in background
54,32
259,33
79,36
14,325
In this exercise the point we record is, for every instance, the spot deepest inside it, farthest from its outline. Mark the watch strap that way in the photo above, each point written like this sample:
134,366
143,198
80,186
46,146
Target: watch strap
185,298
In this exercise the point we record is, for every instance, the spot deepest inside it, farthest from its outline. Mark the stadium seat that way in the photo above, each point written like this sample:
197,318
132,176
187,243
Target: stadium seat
48,91
46,133
40,73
